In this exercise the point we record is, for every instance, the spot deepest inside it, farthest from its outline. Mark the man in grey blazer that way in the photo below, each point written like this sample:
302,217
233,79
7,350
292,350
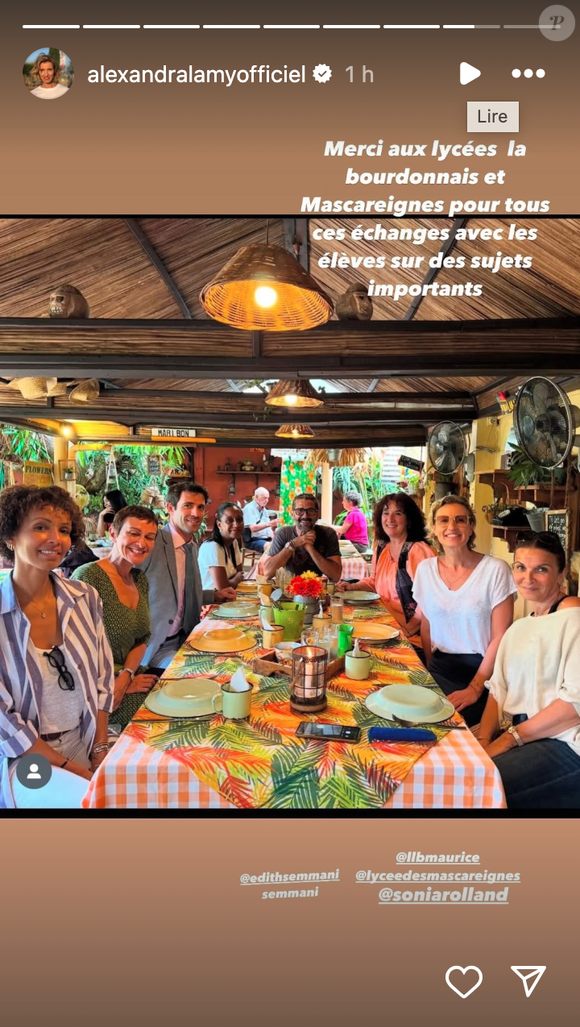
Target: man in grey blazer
175,593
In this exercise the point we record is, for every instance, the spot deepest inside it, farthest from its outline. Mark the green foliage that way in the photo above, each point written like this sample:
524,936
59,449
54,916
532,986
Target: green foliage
23,443
132,470
524,472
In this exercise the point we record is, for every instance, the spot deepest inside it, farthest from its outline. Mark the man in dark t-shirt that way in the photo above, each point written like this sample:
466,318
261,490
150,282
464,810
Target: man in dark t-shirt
307,546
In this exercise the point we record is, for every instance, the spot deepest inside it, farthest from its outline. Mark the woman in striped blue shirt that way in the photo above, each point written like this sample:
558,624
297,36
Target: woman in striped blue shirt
56,667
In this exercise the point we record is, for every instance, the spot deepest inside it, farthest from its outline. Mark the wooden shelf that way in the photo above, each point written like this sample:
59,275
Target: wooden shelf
509,535
534,494
541,495
274,474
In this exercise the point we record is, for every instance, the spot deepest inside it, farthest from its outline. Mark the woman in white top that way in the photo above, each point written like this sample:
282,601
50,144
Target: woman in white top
531,724
467,604
221,558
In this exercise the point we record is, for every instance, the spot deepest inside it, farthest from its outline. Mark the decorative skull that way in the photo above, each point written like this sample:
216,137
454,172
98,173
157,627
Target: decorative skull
66,301
355,304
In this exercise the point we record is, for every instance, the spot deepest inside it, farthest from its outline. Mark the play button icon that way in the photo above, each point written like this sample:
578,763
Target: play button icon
467,73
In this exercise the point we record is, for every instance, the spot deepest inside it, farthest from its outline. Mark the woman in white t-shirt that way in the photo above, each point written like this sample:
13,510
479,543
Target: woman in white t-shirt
531,724
221,558
467,604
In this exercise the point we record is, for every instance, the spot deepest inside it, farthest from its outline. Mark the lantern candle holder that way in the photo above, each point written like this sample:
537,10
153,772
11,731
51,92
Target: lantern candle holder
308,686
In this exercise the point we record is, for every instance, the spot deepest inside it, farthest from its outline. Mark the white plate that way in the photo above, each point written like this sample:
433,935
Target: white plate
185,697
221,640
236,611
360,598
409,702
370,631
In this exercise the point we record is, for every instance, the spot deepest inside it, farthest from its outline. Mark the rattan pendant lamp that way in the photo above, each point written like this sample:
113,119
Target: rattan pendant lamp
297,392
295,431
264,288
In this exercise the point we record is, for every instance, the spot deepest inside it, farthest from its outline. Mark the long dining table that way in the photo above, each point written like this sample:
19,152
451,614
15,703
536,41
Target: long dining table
162,762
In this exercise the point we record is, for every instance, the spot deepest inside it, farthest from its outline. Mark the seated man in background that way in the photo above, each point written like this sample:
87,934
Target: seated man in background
257,523
305,545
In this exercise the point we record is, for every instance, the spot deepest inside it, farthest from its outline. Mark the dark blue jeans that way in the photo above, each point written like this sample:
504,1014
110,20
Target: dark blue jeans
454,671
540,775
257,544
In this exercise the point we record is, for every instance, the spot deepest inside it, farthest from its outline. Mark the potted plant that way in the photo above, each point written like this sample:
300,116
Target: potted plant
524,473
68,473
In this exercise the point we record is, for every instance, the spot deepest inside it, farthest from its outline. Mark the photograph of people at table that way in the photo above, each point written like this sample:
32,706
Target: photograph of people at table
244,404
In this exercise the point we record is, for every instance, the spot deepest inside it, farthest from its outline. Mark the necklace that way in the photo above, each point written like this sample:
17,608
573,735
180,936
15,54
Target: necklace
452,581
48,595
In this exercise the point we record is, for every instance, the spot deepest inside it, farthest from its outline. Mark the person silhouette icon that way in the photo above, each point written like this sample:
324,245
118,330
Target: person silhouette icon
33,770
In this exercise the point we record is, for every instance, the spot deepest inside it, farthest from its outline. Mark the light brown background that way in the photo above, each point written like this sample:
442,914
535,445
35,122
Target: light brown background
250,149
111,921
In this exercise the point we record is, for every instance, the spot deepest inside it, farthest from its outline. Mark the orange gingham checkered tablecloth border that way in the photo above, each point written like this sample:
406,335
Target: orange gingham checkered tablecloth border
453,774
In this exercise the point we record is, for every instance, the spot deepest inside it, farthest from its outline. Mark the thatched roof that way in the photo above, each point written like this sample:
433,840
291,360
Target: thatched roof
161,361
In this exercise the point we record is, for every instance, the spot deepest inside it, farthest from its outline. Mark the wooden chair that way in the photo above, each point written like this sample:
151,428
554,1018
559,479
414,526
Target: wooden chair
249,560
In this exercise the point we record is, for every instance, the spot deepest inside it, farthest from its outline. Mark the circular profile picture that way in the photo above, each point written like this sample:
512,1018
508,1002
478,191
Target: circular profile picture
48,73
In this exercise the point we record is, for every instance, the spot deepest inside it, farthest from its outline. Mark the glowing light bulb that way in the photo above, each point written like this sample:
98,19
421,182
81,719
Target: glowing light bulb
66,431
291,400
265,296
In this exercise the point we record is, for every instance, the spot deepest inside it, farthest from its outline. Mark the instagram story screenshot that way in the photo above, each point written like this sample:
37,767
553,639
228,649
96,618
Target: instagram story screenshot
289,512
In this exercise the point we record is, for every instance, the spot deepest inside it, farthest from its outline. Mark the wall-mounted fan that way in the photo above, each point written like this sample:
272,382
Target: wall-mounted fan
447,447
545,422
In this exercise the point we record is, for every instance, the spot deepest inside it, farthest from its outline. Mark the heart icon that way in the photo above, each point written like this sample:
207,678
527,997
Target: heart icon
464,970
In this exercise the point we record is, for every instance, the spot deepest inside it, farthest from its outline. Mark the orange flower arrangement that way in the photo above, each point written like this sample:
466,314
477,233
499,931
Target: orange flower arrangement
308,585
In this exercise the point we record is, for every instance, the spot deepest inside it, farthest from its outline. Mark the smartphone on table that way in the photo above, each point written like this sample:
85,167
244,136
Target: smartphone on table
328,732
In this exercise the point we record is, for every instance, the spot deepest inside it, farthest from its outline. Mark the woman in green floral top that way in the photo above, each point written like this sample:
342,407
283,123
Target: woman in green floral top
124,590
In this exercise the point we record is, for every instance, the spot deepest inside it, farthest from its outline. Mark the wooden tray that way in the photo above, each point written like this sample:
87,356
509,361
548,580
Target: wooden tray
271,668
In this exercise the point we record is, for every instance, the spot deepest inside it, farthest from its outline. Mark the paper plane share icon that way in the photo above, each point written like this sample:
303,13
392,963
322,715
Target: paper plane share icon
530,975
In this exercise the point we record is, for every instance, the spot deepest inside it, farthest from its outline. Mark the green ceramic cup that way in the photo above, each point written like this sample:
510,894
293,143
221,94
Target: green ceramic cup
236,705
357,668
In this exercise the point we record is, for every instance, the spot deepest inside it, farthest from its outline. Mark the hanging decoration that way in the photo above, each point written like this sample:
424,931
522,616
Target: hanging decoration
355,458
295,431
294,393
264,288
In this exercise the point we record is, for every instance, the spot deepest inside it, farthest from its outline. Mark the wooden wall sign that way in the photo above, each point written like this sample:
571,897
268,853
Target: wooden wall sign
37,472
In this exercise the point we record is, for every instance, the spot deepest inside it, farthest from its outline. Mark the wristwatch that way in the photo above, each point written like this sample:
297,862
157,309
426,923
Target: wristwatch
127,670
290,545
515,734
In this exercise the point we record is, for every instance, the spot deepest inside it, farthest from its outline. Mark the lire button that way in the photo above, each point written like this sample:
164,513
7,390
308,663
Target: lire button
493,116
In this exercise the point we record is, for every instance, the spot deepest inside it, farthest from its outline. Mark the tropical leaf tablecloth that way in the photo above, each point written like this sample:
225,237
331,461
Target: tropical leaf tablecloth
261,764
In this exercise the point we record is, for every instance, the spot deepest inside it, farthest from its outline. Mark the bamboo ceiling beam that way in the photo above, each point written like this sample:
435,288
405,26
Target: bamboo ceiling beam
209,419
254,403
158,264
206,349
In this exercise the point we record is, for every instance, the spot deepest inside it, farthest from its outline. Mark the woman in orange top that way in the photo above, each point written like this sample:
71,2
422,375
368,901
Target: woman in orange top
399,547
